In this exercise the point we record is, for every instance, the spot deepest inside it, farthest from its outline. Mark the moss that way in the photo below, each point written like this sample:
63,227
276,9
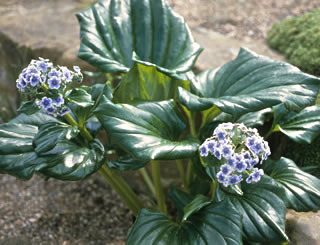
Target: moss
298,38
305,155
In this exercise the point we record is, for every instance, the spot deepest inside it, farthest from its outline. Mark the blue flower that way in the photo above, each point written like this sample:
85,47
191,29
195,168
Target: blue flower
54,83
210,146
76,69
255,176
64,111
43,79
225,169
217,153
240,166
66,73
203,150
221,177
231,162
54,73
257,147
234,179
58,101
221,135
251,141
51,111
227,151
42,65
34,80
21,83
46,102
246,155
33,70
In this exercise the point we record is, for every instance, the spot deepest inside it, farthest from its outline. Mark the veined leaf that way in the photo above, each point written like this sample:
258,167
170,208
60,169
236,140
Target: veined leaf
301,189
51,133
219,223
67,160
112,32
263,207
301,127
80,97
147,83
149,130
251,83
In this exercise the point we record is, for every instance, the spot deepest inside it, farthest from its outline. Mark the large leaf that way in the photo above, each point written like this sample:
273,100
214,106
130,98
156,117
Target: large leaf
51,133
112,32
263,207
302,127
219,223
80,97
67,160
302,189
149,130
147,83
251,83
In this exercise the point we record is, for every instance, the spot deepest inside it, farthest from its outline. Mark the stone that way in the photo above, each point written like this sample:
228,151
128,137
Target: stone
219,49
303,228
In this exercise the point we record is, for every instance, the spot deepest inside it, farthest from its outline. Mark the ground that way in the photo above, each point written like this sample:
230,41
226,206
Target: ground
89,212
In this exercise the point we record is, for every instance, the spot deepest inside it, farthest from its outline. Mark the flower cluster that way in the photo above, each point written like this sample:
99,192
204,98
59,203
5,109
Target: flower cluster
239,149
47,83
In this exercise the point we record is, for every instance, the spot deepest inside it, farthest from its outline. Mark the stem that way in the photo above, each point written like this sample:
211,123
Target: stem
272,130
122,188
148,180
189,177
159,189
83,130
112,177
214,186
181,173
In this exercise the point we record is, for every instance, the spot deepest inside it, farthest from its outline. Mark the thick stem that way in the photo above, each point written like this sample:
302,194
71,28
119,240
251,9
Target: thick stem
158,187
182,175
214,186
148,180
112,177
121,187
272,130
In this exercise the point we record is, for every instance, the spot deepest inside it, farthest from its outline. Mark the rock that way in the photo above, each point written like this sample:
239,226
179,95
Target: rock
219,49
303,228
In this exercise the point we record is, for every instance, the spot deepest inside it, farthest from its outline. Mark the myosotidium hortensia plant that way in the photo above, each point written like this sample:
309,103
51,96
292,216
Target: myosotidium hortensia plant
231,190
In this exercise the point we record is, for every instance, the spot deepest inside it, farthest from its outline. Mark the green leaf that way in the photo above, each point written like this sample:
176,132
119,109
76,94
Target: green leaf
149,130
263,208
51,133
126,162
80,97
180,199
112,32
147,83
302,127
251,83
28,107
195,205
301,189
67,160
218,222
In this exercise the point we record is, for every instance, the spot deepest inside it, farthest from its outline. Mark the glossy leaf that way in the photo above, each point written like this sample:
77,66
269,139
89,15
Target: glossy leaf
251,83
28,107
195,205
149,130
301,189
112,32
218,222
67,160
302,127
180,199
51,133
147,83
263,208
126,162
80,97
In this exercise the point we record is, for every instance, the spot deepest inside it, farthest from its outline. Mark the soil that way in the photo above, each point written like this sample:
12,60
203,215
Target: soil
89,212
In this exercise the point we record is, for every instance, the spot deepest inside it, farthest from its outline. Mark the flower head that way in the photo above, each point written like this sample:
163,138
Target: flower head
238,149
54,83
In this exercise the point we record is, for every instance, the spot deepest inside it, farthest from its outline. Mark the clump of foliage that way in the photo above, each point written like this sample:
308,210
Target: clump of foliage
305,155
298,39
